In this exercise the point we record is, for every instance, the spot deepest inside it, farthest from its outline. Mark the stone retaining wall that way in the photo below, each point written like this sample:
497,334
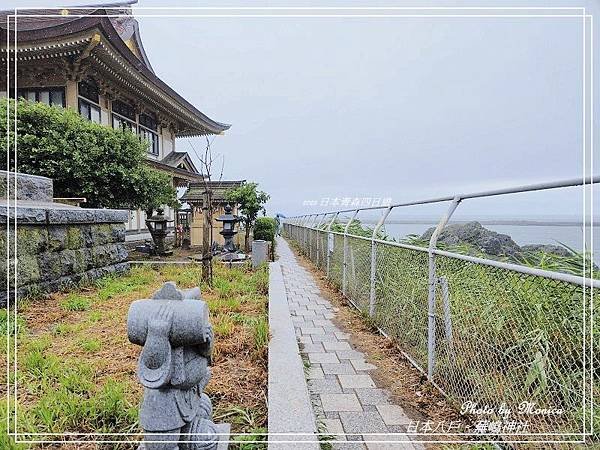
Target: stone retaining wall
57,245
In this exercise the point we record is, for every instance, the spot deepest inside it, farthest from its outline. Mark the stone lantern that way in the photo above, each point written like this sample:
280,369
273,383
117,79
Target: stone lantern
157,225
228,231
184,216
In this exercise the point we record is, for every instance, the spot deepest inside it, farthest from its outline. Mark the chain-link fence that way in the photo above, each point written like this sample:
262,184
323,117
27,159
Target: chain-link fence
501,336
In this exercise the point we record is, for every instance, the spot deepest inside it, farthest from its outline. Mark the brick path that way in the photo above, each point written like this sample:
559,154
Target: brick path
344,396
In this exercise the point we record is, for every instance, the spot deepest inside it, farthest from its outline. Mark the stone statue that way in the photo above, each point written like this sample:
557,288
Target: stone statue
176,336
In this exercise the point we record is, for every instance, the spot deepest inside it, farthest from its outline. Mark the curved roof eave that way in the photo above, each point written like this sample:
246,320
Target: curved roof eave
209,124
98,19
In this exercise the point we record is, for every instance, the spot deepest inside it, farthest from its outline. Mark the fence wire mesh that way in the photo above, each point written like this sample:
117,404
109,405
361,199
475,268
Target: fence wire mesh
511,338
358,272
501,336
401,286
336,262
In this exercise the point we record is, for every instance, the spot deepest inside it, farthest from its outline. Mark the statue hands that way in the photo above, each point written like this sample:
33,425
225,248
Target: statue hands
207,348
154,366
161,322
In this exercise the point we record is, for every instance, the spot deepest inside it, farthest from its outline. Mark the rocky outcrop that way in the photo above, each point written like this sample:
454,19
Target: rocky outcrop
490,242
474,234
546,248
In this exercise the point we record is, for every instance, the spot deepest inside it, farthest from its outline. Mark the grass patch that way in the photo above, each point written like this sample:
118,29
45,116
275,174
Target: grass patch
94,316
223,325
68,384
90,345
102,410
7,324
260,328
110,287
250,420
61,329
75,302
256,440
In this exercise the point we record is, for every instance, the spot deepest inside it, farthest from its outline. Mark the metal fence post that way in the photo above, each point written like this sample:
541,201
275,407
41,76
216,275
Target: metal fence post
317,238
307,235
328,237
294,229
443,282
374,260
345,263
301,231
432,282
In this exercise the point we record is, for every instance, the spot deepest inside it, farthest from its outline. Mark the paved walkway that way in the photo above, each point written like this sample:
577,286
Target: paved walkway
344,396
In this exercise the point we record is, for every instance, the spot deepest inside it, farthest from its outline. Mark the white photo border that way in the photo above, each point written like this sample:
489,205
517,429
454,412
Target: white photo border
587,119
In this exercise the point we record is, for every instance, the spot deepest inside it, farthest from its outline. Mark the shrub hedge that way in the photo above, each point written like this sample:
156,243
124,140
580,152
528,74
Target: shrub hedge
265,229
106,166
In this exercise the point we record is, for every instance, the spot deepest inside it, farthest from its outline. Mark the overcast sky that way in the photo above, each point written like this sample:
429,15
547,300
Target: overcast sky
400,108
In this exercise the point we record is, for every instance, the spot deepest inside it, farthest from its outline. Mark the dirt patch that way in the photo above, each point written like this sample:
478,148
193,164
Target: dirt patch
179,255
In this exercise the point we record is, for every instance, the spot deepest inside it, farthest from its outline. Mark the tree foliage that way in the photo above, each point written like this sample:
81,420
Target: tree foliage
106,166
251,202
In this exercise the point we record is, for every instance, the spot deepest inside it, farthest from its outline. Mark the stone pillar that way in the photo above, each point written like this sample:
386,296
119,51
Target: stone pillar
260,252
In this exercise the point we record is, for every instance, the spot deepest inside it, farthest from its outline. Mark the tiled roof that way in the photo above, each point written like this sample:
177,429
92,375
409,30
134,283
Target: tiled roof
195,193
41,30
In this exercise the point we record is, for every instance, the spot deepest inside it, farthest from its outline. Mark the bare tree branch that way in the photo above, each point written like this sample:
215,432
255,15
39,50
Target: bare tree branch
206,164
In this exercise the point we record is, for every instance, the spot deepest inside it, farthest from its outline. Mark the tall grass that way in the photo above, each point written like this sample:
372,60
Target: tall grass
8,326
515,337
76,302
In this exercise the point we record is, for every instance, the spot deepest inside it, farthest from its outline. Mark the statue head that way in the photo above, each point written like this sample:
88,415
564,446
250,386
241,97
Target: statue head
166,325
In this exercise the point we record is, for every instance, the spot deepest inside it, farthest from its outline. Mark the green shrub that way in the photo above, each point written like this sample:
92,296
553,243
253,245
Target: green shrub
251,201
106,166
265,229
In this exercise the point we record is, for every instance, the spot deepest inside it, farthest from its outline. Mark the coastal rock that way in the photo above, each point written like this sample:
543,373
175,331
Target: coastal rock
475,234
547,248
